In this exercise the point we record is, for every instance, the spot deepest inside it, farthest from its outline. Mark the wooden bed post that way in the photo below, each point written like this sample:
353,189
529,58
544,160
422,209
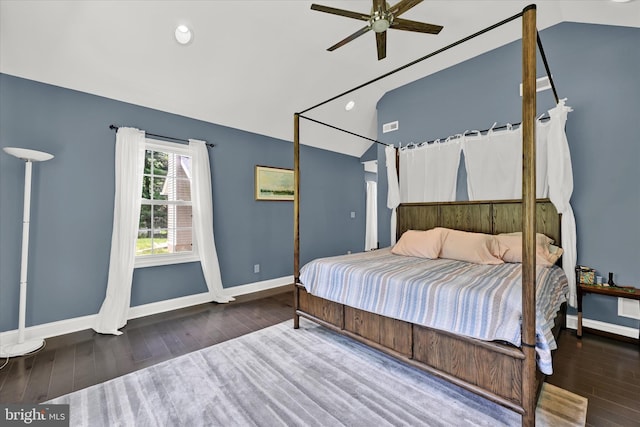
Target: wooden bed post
529,387
296,218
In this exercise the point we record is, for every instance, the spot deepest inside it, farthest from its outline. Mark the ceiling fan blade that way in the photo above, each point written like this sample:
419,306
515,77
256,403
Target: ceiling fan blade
341,12
419,27
402,6
381,44
350,38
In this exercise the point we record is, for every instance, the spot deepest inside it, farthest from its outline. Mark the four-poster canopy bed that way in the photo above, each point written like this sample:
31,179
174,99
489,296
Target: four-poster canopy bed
503,373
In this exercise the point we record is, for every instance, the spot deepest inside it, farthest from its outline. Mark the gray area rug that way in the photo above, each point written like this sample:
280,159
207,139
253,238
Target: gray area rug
279,376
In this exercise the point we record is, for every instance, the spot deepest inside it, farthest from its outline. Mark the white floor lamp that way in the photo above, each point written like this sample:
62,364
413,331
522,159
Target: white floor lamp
23,347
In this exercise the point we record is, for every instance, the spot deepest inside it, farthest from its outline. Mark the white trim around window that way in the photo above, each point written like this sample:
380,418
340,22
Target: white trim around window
174,258
167,259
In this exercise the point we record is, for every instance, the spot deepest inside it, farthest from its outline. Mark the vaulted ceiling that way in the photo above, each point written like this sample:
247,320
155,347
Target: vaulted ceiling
252,64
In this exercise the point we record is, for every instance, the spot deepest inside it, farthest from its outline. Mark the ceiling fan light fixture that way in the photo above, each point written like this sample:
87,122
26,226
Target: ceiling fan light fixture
183,34
379,23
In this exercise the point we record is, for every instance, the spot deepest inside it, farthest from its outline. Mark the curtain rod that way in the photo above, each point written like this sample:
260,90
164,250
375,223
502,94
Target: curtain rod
541,118
208,144
341,130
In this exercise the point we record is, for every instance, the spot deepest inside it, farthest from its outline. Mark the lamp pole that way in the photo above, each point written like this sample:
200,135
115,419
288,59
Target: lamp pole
22,346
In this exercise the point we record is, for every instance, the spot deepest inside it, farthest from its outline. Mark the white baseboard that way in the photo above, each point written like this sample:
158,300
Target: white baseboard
76,324
51,329
625,331
167,305
259,286
189,300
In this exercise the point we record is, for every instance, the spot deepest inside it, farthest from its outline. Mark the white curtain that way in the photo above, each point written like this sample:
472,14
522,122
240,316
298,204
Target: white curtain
371,227
542,163
494,164
129,168
560,189
429,173
393,191
202,204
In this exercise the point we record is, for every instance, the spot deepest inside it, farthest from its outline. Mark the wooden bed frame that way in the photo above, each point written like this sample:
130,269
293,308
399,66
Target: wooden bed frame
490,369
504,374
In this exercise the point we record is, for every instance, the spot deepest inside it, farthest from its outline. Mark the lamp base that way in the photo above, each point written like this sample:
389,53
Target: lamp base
13,350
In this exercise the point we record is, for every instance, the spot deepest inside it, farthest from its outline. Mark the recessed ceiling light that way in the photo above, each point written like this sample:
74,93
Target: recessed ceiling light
183,34
350,105
621,1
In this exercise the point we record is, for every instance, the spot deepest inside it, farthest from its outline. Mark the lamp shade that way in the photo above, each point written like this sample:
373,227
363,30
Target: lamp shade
28,155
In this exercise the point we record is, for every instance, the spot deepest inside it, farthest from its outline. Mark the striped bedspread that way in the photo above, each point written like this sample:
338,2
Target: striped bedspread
480,301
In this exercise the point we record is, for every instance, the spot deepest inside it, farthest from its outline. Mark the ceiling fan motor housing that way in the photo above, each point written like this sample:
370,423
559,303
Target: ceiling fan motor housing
380,21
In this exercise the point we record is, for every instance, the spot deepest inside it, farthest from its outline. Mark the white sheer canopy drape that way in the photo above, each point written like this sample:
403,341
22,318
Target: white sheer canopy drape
560,179
202,201
429,173
393,190
371,225
494,164
129,168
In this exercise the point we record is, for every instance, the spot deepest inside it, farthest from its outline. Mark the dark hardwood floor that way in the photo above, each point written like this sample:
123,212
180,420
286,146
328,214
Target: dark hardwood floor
78,360
605,371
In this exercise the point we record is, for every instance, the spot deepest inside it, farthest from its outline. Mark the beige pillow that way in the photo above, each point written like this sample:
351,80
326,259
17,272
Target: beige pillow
540,238
546,253
422,244
553,256
478,248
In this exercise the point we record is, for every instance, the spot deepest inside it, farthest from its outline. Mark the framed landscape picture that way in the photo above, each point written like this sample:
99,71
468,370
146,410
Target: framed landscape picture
274,183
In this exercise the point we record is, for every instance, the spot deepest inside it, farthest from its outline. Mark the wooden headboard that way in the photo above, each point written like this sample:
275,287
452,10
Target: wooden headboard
492,217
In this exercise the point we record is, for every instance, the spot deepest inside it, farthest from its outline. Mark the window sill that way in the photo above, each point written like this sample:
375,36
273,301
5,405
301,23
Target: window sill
154,261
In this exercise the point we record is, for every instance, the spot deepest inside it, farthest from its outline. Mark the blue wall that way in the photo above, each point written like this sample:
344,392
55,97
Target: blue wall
72,204
596,67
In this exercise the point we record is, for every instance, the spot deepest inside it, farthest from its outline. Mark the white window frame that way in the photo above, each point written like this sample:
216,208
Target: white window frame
175,258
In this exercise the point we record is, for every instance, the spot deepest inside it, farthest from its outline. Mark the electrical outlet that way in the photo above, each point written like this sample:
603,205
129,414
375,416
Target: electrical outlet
256,268
353,214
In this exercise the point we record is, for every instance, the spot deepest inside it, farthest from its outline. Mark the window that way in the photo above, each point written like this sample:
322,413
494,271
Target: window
165,230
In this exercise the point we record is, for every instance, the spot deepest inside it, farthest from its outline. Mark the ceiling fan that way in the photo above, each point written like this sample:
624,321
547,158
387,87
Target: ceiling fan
381,18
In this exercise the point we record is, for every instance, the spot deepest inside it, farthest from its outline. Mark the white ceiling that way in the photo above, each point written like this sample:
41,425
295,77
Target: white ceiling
252,64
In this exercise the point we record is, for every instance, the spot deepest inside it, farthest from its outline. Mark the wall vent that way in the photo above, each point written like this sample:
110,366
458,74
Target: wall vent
390,127
371,166
542,83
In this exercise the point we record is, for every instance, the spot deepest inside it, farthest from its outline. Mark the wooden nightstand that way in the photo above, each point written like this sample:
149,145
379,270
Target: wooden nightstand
613,291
